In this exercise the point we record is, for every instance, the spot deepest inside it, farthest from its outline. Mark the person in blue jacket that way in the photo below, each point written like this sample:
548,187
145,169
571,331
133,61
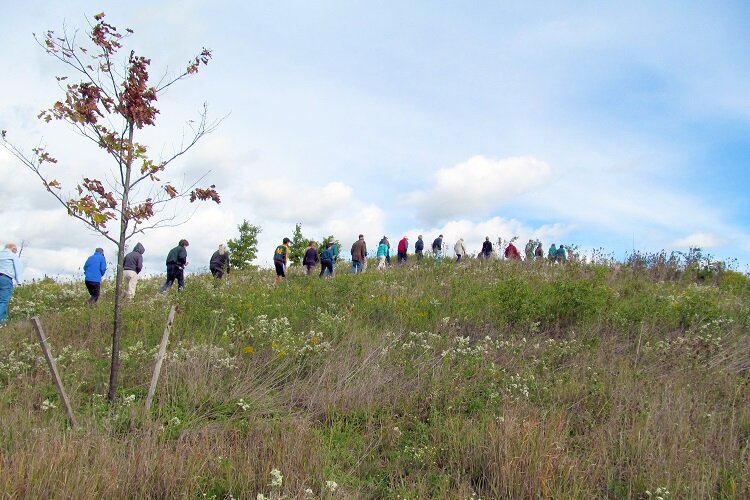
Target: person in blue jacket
93,271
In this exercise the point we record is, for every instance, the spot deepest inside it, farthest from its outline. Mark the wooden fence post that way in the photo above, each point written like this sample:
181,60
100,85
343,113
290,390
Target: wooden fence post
53,368
160,358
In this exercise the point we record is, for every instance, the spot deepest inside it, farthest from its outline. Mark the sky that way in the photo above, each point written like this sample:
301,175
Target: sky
618,126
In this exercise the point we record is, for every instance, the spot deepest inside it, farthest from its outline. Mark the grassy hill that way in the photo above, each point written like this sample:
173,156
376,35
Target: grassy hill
491,380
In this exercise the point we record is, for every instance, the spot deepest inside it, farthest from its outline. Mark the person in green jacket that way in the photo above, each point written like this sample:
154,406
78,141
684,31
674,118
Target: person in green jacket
552,254
560,255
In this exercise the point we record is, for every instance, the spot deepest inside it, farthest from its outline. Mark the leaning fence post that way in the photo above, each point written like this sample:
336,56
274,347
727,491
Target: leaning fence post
160,357
53,368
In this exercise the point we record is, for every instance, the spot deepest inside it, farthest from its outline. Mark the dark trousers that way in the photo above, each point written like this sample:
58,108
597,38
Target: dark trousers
174,272
93,287
217,272
419,255
326,266
402,257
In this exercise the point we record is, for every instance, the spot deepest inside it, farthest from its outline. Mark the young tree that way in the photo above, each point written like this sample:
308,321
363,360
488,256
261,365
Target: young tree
244,249
113,101
298,245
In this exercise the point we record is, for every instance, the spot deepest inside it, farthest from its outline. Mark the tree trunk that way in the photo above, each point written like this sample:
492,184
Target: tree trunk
114,367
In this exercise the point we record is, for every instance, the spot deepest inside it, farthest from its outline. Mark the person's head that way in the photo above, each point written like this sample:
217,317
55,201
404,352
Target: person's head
286,241
222,250
183,243
100,250
12,247
406,237
329,244
487,238
419,237
310,244
440,236
362,237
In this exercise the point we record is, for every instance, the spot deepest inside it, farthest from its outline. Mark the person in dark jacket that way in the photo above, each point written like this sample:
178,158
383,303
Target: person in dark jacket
359,255
93,271
310,259
219,263
560,254
326,260
281,259
487,248
419,248
176,262
132,266
437,247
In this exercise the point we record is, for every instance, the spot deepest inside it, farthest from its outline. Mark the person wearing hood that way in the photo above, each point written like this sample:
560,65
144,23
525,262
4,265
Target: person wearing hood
511,252
11,271
552,253
219,263
176,262
460,249
132,266
93,271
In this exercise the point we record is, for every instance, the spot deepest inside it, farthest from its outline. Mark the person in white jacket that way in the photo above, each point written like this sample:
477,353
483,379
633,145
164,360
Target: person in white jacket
460,249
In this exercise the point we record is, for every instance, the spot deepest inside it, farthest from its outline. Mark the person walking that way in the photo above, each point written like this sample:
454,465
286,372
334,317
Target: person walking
487,249
93,271
326,260
539,252
437,248
310,259
281,259
560,254
511,252
552,253
403,248
460,249
335,249
419,248
131,268
11,270
381,253
529,250
176,263
219,263
359,254
385,240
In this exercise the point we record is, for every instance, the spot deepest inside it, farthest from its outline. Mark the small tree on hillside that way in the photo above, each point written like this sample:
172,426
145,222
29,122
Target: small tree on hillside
113,101
298,245
244,249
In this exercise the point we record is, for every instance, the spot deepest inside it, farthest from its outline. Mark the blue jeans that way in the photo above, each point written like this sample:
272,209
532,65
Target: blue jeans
6,292
356,267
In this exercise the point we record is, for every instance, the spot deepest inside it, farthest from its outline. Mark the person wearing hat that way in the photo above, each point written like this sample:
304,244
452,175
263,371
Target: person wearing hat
11,271
281,258
403,248
176,262
93,271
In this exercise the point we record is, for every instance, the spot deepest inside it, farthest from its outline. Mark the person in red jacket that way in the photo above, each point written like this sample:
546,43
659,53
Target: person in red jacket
403,247
511,252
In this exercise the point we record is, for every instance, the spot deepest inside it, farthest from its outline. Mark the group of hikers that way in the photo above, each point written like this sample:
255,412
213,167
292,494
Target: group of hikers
329,256
11,270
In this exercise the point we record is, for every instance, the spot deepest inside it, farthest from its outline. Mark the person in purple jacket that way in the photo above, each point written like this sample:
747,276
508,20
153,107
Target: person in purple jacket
93,271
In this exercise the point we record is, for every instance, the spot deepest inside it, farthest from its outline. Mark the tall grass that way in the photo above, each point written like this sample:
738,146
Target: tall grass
491,380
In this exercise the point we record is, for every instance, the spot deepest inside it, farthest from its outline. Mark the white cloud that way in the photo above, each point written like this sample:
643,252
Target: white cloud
282,199
476,186
699,240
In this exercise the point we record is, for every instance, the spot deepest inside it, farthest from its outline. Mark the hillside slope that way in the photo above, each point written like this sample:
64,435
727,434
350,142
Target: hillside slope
491,380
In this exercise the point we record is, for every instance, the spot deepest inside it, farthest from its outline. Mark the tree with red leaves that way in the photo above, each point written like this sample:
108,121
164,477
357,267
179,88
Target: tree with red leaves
109,107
